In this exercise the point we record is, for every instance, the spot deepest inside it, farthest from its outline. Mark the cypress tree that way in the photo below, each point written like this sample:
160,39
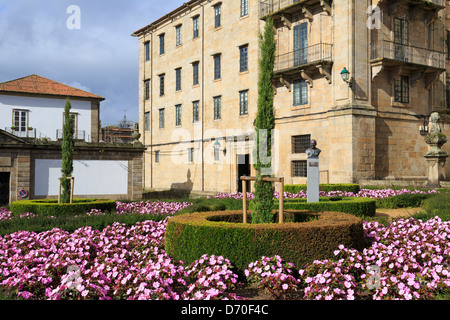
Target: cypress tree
264,123
67,153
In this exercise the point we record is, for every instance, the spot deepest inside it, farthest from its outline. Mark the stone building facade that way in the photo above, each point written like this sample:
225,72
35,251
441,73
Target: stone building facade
198,72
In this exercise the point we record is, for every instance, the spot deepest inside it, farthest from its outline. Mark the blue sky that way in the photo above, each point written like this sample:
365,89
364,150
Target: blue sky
101,56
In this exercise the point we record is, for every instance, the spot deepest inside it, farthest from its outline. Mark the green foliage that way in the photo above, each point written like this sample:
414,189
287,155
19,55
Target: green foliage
53,208
362,207
402,201
189,236
346,187
68,146
71,223
437,205
264,123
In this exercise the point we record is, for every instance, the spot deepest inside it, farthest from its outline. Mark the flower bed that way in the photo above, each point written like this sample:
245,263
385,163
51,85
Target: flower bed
408,259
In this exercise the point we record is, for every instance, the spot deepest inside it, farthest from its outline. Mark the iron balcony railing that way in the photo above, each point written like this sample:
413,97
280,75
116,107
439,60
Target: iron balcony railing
438,3
271,6
303,56
25,133
404,53
77,135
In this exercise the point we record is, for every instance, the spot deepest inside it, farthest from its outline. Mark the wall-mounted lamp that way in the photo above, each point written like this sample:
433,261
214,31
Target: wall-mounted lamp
423,129
217,146
345,74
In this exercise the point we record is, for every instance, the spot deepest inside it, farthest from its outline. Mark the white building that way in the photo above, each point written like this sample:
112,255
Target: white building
33,107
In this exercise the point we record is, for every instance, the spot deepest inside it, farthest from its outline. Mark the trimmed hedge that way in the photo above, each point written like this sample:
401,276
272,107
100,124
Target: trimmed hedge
362,207
189,236
47,207
348,187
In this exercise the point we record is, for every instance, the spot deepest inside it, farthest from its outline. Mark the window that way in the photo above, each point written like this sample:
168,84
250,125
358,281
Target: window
195,113
147,89
157,156
401,39
74,119
300,92
161,43
190,154
300,143
216,66
147,50
448,44
217,107
178,79
178,35
161,118
447,91
243,59
243,102
195,27
20,120
161,84
217,22
147,121
244,7
299,168
195,73
178,115
401,89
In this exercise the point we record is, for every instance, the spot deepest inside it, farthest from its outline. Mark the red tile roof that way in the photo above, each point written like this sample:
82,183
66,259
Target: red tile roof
35,84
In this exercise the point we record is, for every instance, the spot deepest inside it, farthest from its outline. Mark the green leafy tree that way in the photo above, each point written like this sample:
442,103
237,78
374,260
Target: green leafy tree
67,153
264,124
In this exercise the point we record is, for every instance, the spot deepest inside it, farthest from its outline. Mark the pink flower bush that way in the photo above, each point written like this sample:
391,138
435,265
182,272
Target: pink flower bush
151,207
366,193
408,259
273,275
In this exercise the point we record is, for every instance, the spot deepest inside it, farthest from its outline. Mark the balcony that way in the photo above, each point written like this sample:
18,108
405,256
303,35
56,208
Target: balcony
25,133
399,58
305,60
279,8
80,135
394,53
424,9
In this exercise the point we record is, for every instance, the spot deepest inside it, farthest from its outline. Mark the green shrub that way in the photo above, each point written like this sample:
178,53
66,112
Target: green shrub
437,205
356,206
189,236
51,207
348,187
72,223
403,201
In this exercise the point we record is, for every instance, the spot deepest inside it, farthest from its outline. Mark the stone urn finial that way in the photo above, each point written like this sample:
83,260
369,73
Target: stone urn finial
136,135
436,157
435,138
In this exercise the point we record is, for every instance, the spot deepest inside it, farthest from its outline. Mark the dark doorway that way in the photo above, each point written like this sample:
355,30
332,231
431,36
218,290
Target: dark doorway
4,188
243,161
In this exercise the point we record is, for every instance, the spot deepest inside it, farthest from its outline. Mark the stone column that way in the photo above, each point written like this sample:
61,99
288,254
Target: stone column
312,179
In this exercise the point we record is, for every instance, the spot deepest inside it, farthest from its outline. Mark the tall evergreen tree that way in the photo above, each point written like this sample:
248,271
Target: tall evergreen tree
264,123
67,152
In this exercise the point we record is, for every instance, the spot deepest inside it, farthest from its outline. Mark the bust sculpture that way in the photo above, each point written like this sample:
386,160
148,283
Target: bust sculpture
312,151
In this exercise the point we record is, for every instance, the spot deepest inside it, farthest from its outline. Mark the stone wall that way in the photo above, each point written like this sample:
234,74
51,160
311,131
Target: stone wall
22,166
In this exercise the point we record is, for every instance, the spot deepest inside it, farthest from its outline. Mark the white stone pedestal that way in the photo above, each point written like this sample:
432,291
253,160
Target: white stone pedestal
312,180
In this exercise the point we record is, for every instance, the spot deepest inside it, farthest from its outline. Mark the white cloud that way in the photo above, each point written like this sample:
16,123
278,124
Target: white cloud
100,57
